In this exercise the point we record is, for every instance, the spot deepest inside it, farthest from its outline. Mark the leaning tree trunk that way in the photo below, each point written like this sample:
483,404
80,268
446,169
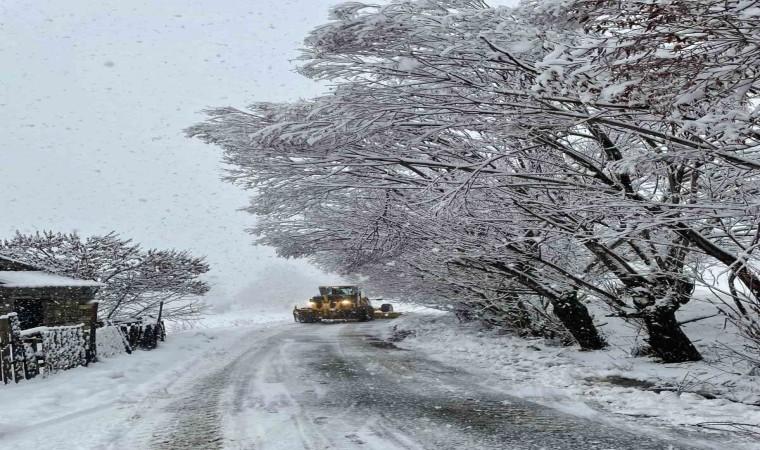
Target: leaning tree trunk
666,338
575,317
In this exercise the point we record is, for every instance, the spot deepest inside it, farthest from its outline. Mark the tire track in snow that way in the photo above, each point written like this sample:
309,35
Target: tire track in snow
281,401
318,387
196,422
245,404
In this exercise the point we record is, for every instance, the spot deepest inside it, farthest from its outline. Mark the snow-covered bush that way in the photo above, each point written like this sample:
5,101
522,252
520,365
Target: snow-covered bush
110,341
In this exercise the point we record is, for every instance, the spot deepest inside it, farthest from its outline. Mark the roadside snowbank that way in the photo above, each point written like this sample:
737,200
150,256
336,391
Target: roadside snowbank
589,383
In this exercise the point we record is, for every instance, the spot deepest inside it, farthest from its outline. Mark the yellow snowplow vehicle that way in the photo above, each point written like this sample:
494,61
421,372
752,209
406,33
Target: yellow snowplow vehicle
336,303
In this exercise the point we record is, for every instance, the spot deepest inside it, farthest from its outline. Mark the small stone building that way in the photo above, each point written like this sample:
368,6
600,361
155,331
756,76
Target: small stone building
44,299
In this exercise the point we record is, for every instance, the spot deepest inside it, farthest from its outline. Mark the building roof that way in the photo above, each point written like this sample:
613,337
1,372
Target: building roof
39,279
7,263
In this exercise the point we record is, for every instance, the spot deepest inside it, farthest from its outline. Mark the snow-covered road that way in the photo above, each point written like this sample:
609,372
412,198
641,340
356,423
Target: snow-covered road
340,387
297,386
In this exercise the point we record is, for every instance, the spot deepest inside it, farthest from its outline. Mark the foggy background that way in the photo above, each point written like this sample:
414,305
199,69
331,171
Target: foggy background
93,100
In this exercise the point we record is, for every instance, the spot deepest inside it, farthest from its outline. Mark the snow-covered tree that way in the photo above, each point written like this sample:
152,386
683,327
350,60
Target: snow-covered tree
136,280
512,141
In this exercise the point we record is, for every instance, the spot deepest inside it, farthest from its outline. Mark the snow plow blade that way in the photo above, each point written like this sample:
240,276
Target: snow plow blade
388,315
386,312
338,320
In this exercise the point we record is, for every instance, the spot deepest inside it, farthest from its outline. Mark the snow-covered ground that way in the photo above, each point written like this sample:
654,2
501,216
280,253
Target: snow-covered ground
594,384
89,407
121,401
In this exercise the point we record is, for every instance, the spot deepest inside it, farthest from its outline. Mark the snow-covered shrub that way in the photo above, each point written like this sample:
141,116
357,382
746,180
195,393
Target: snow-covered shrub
110,342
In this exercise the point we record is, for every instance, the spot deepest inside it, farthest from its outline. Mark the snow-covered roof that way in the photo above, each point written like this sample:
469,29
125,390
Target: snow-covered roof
37,278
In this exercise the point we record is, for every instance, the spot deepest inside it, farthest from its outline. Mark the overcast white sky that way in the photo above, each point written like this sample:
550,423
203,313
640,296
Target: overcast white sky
93,99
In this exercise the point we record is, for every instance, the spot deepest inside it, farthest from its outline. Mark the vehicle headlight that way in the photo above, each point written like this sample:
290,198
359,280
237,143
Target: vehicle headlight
346,302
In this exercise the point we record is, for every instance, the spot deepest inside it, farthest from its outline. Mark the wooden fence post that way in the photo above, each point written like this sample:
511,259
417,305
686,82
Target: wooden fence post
6,358
19,355
92,324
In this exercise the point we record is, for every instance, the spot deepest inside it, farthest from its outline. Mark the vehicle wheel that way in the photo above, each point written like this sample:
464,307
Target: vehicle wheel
386,307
